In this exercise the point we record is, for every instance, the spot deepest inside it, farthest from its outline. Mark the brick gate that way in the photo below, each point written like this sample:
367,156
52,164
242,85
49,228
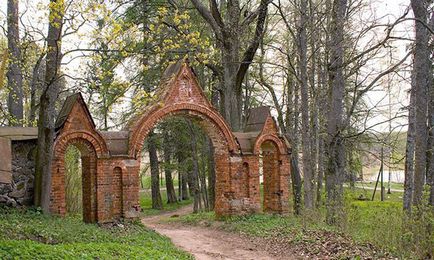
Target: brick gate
111,160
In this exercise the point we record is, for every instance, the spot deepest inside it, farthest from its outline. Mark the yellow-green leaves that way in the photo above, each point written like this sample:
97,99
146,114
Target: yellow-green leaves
57,10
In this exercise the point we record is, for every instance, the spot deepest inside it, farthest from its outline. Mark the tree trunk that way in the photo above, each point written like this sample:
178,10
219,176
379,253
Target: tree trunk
320,176
171,193
228,30
430,171
305,124
321,100
430,153
409,154
35,85
291,130
14,74
296,183
422,71
232,96
44,153
335,152
195,172
211,175
204,163
157,202
183,176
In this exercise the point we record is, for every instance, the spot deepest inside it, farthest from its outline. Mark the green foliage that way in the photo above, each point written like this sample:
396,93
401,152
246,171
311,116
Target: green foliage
31,235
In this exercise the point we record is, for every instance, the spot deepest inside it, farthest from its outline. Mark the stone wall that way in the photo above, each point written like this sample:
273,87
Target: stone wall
20,191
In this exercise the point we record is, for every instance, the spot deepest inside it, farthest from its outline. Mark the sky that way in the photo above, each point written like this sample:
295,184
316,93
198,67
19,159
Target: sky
384,10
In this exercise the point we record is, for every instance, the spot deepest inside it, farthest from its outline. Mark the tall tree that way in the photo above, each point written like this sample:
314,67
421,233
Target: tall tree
47,103
422,73
335,152
14,74
309,189
229,30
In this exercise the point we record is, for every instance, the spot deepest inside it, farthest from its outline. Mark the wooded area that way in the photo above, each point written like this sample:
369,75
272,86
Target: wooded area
345,79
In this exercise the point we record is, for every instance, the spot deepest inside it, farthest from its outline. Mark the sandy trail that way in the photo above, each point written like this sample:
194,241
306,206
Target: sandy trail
204,242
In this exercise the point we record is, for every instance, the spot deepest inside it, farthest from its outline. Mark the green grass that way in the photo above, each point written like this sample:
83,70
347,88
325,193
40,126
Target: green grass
366,222
31,235
355,193
146,203
397,186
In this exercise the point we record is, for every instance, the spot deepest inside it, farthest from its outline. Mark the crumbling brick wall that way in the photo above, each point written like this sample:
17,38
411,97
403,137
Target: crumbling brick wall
20,191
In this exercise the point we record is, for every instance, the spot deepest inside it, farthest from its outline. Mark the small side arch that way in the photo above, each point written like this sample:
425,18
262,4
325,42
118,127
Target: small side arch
64,139
269,137
91,147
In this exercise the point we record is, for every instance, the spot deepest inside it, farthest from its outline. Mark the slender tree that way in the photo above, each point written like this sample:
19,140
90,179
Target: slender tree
422,73
167,150
335,152
44,155
14,74
157,202
409,153
309,189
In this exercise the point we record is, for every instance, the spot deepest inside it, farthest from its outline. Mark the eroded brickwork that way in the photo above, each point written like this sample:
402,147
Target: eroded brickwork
111,175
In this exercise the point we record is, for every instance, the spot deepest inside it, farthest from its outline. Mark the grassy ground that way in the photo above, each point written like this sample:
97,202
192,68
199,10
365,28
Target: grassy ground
371,229
146,203
371,184
31,235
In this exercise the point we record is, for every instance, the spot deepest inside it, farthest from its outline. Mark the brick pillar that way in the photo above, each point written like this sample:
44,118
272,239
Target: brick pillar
254,185
223,192
104,191
130,189
89,183
271,172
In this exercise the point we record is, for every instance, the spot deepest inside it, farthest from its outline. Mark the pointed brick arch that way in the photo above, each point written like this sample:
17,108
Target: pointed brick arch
180,94
212,123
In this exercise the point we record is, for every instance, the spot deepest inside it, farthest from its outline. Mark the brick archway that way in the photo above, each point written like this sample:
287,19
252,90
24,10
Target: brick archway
113,161
216,129
181,95
91,148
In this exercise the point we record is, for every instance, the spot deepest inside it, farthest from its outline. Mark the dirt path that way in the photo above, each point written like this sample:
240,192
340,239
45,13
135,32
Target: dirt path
203,242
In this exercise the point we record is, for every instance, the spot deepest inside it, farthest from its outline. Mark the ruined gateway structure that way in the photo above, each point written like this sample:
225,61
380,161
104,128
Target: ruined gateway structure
111,160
